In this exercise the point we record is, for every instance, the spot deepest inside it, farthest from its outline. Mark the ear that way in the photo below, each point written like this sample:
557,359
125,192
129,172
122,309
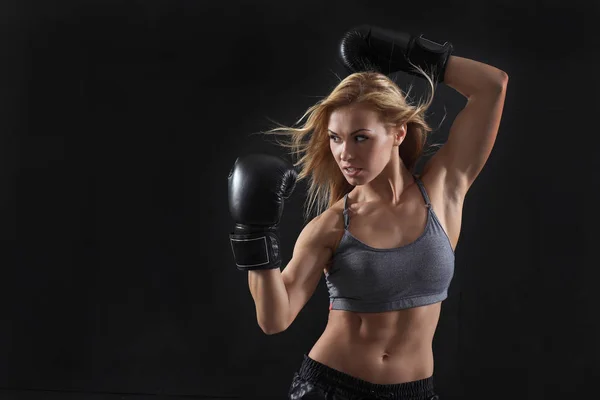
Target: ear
399,133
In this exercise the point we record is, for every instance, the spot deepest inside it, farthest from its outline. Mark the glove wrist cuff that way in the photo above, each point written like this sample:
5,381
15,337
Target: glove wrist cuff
431,56
254,251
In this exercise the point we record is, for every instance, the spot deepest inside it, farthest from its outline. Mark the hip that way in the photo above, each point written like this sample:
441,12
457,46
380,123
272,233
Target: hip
374,365
315,380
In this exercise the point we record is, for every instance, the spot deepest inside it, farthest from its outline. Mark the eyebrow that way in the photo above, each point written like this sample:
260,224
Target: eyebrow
356,131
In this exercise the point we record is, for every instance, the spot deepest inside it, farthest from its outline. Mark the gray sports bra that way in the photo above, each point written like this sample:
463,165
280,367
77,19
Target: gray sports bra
366,279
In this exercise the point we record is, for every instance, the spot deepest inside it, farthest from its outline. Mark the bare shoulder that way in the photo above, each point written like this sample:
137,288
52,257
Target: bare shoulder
329,225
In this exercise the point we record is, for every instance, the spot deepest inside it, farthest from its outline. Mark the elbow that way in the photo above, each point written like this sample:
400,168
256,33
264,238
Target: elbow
273,331
496,86
496,83
502,80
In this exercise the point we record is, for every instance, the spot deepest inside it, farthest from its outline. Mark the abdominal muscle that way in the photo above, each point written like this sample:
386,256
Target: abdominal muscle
382,348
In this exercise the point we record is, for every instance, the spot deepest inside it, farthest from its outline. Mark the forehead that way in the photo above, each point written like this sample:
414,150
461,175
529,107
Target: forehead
353,116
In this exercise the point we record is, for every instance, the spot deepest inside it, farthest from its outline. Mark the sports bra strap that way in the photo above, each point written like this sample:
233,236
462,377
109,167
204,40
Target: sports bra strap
423,191
346,212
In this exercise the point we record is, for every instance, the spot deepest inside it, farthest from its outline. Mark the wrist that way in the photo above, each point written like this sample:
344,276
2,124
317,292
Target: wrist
256,250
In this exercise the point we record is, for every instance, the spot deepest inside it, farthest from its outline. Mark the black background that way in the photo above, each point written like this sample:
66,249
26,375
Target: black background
120,121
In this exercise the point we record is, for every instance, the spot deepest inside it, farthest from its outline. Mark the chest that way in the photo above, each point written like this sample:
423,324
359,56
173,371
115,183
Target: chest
386,227
365,273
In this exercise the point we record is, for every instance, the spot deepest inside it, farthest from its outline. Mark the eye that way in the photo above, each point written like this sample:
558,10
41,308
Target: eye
363,138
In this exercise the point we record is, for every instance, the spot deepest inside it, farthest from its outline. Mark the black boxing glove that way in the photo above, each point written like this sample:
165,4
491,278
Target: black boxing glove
258,185
371,48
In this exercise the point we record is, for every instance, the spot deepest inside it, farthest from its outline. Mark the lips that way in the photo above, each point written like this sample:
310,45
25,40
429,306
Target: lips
351,171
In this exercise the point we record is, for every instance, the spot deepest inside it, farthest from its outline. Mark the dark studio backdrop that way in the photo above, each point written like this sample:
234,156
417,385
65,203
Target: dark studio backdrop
120,123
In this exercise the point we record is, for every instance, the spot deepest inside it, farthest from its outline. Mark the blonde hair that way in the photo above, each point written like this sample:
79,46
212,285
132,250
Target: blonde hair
309,142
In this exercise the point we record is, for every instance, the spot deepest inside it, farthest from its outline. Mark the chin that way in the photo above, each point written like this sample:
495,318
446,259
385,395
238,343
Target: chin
357,181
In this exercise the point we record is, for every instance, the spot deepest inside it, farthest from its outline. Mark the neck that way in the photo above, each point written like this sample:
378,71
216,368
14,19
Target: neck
389,186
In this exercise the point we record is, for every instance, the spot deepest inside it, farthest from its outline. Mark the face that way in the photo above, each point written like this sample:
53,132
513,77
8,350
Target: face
358,138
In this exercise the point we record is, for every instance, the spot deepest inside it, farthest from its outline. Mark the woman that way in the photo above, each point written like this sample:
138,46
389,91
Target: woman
383,236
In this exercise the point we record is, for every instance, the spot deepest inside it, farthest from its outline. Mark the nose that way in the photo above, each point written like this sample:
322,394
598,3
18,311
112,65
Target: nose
345,153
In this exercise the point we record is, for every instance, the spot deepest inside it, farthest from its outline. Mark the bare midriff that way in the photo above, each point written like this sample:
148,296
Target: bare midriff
383,348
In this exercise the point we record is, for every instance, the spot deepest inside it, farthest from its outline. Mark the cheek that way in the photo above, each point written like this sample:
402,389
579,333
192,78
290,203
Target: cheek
333,149
373,151
384,147
378,154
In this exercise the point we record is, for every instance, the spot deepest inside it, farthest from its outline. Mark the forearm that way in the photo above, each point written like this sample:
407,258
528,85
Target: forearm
469,77
271,299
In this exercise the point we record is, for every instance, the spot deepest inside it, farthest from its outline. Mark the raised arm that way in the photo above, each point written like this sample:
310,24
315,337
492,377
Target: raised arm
473,132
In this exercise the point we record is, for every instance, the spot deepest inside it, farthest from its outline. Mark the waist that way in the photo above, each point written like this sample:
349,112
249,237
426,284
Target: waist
372,364
384,348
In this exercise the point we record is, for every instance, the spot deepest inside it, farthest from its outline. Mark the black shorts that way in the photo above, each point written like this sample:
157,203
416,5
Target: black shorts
318,381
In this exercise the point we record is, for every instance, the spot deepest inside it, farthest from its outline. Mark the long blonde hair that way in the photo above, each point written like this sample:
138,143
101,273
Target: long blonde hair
309,142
